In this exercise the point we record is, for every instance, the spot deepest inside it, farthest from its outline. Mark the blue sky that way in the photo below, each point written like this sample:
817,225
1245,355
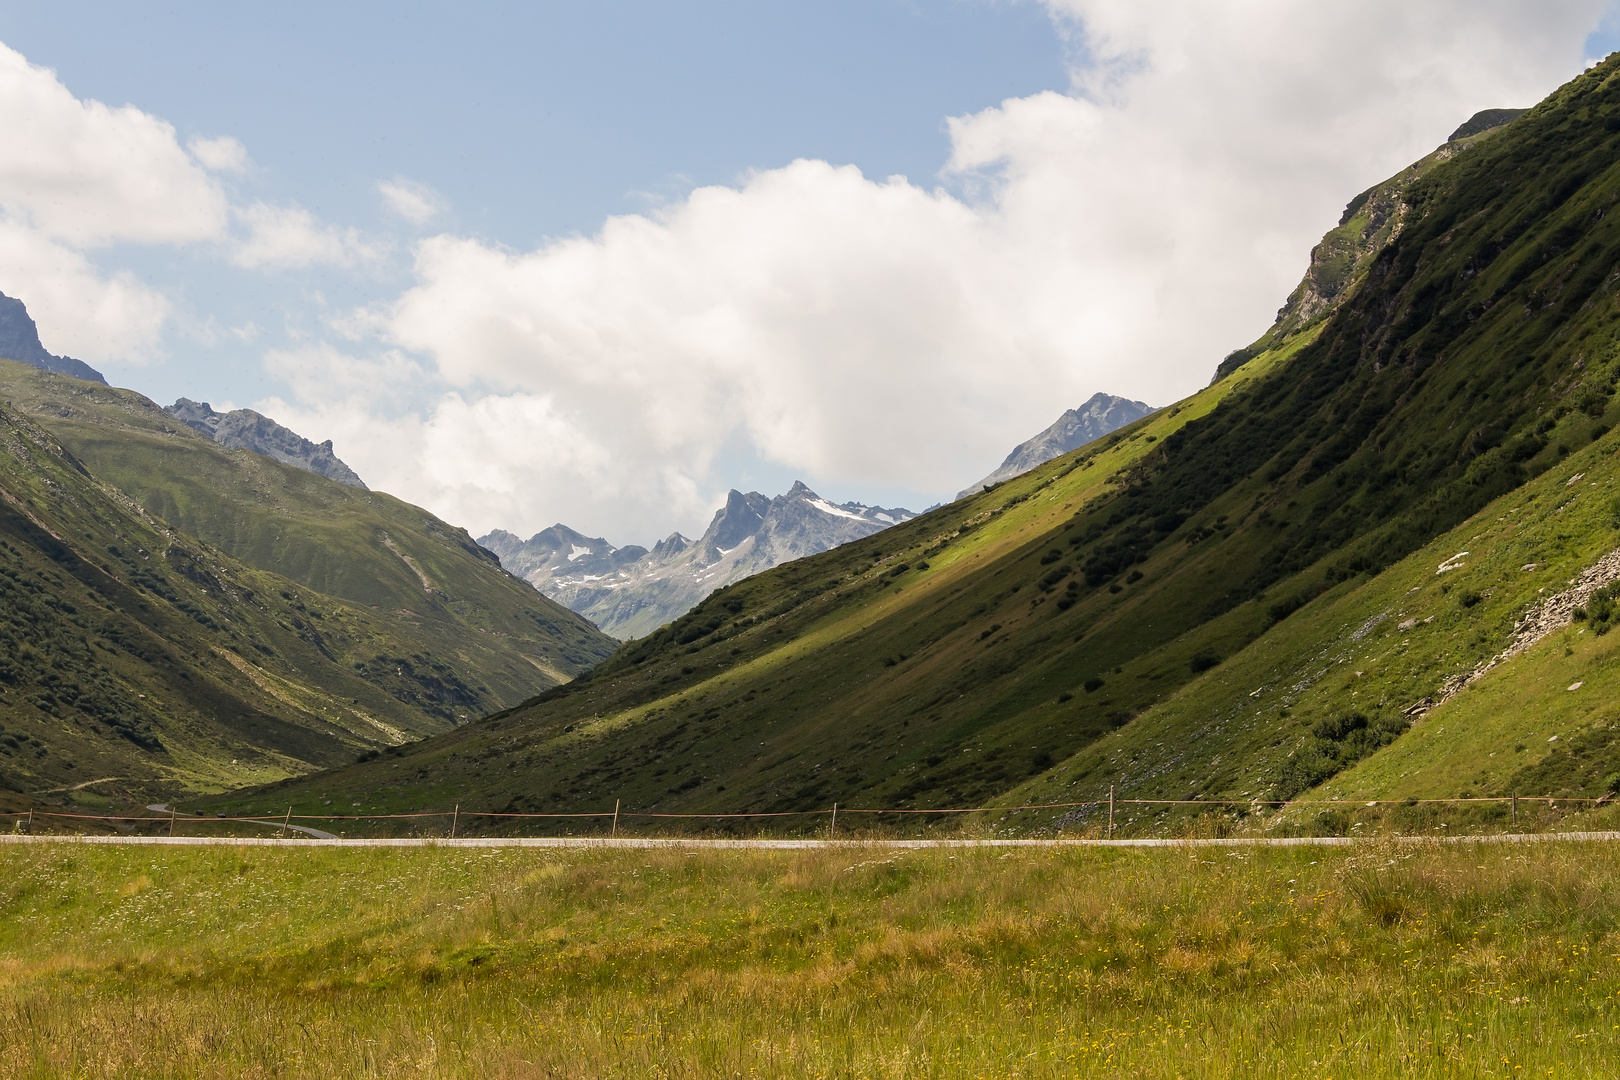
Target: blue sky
532,120
627,263
543,118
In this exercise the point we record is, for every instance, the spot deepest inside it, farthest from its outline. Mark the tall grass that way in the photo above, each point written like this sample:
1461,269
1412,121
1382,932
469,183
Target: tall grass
853,961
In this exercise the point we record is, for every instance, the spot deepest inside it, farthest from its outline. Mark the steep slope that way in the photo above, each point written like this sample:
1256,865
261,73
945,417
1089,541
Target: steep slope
140,662
244,429
448,600
862,671
1461,671
1369,223
19,340
1119,596
631,591
1101,414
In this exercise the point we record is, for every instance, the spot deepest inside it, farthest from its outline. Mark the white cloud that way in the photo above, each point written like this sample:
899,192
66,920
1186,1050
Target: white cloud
389,380
220,154
80,175
80,312
1121,237
416,203
281,237
88,174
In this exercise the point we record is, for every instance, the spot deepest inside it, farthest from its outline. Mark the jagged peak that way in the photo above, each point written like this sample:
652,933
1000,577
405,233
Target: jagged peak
19,340
244,429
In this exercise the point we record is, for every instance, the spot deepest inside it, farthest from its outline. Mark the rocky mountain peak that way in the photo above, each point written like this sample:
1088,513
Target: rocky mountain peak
19,340
1100,415
244,429
738,520
631,591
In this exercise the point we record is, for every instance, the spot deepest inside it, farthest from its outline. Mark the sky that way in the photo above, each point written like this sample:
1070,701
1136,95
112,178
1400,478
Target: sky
600,263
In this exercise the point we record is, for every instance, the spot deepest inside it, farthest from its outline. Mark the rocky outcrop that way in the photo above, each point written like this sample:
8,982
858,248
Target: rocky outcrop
631,591
19,340
1370,222
1099,416
244,429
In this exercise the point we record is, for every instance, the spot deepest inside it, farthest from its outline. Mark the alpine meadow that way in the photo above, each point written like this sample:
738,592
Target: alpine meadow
1271,733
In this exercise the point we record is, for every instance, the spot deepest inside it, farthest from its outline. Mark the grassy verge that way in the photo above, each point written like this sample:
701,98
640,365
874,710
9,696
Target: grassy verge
1374,961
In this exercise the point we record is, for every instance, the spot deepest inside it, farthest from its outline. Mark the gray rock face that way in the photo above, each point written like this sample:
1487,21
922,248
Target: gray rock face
630,591
19,340
1101,415
244,429
1486,120
1371,221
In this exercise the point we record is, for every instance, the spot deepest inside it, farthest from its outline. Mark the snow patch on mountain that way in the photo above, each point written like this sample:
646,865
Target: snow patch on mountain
631,591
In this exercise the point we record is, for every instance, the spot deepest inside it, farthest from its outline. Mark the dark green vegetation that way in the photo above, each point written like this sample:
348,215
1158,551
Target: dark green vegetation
139,659
1151,611
1384,960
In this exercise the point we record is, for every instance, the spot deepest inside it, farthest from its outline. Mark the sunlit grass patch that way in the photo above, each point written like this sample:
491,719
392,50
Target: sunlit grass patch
848,961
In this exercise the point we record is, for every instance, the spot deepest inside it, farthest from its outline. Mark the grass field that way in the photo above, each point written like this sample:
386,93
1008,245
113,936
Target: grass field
1377,960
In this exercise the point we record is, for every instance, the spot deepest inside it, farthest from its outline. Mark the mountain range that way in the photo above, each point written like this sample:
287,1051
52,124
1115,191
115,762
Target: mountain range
1375,560
1102,414
629,592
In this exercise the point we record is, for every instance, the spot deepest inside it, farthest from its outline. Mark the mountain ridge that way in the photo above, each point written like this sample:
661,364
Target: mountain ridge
1100,415
244,429
284,621
631,591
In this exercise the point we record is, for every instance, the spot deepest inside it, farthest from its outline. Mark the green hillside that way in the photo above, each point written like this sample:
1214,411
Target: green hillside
361,547
883,648
1118,615
138,660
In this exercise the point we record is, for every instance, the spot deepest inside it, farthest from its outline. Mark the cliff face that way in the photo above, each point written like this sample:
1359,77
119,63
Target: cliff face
19,340
1370,223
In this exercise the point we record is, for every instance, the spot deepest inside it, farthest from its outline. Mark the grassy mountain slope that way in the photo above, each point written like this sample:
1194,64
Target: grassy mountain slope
1120,596
449,598
137,660
822,660
1280,718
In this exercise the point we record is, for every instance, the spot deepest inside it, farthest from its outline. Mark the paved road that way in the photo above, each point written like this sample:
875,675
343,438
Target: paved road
316,834
796,845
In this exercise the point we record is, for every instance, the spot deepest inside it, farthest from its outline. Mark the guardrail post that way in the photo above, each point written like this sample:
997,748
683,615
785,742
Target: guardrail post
1110,811
615,834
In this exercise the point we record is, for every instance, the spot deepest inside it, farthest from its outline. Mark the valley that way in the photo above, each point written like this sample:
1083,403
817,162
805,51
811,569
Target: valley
1149,613
288,623
1385,483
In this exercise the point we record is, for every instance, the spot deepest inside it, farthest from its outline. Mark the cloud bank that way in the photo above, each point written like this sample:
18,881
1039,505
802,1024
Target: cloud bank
79,179
865,333
1120,236
77,176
